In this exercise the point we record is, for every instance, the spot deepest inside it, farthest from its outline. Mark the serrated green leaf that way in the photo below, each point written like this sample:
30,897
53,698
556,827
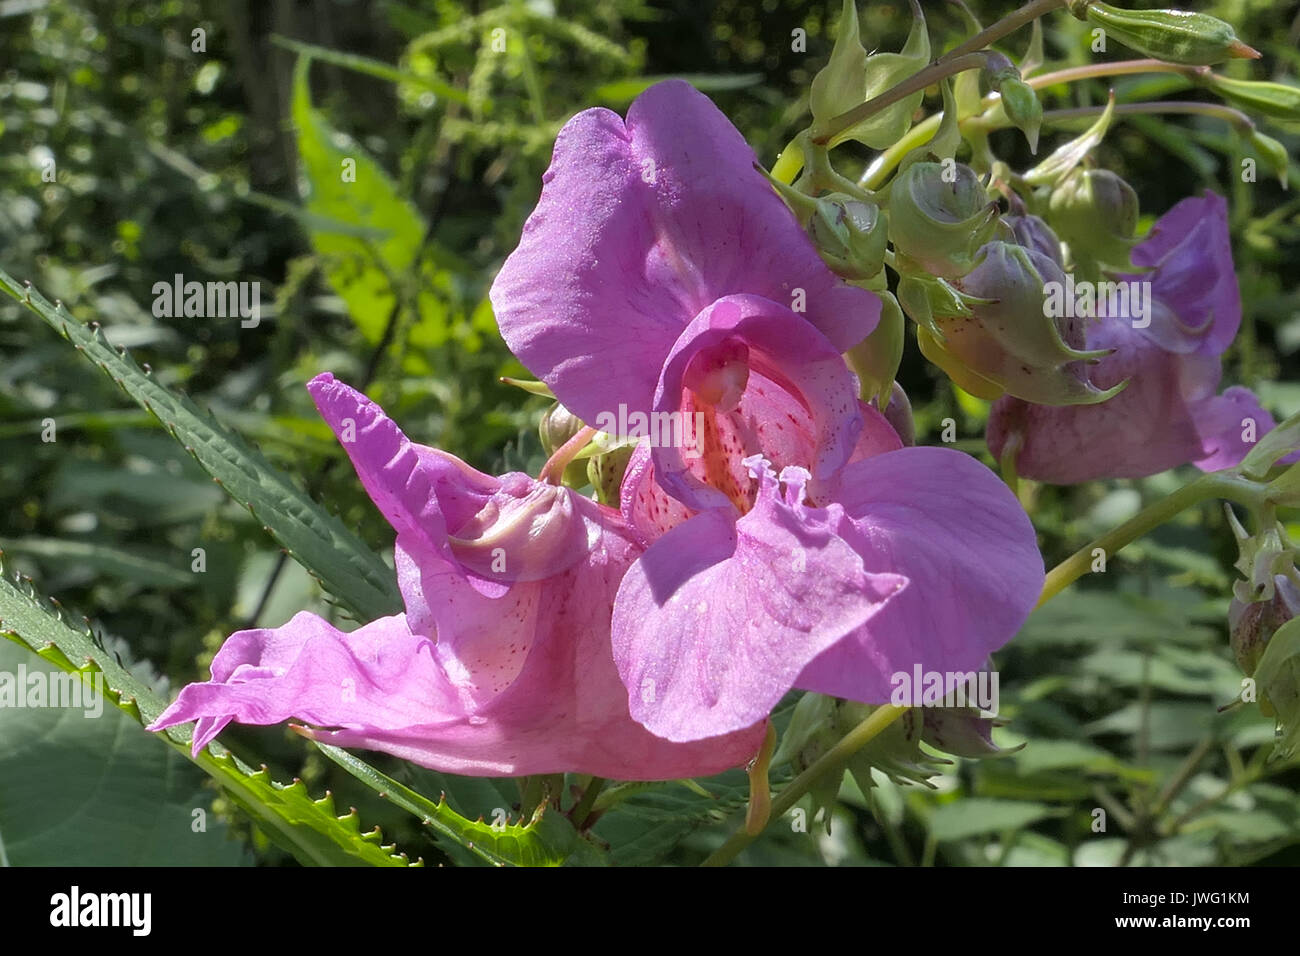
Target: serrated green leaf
317,540
310,829
83,785
546,840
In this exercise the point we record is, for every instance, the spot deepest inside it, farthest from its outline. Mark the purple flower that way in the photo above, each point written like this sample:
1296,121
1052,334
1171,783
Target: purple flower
1170,413
501,664
794,543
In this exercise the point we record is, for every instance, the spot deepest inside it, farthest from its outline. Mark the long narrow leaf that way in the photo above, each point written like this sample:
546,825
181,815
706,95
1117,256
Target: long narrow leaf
310,829
317,540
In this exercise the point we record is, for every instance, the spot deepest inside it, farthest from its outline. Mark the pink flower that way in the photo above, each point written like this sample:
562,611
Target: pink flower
1171,412
501,664
797,544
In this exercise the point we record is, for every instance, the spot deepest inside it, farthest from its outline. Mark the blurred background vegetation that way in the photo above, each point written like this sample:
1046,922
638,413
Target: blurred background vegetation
215,155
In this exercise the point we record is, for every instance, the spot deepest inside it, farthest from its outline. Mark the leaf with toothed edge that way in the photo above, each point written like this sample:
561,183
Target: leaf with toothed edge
310,829
337,558
549,839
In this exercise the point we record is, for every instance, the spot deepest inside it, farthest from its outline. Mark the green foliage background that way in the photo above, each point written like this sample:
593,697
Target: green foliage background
222,165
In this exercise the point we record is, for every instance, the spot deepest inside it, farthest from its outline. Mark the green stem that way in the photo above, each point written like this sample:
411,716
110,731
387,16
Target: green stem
875,174
582,809
1118,68
1189,107
1215,485
833,760
553,470
1182,777
1252,774
884,164
1008,24
932,74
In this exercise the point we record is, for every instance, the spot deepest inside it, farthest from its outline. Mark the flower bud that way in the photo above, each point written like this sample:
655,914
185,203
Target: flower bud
1008,343
851,236
876,358
557,426
1277,681
1034,233
1280,101
1252,624
939,215
1019,101
851,77
1274,154
1175,36
961,731
896,751
1095,213
899,415
605,472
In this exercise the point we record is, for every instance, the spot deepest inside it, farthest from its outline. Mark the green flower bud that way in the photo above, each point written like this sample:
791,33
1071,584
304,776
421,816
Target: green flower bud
896,751
1252,624
923,297
850,235
1274,154
1095,213
605,472
1008,343
939,215
557,426
1277,681
1020,103
898,412
876,358
1261,557
1175,36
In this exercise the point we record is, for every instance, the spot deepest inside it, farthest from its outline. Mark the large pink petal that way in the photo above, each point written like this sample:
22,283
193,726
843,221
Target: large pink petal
957,534
640,226
716,620
534,689
449,518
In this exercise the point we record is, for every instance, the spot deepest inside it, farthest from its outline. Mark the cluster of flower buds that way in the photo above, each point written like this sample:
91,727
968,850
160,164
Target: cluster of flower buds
1264,623
819,722
976,283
